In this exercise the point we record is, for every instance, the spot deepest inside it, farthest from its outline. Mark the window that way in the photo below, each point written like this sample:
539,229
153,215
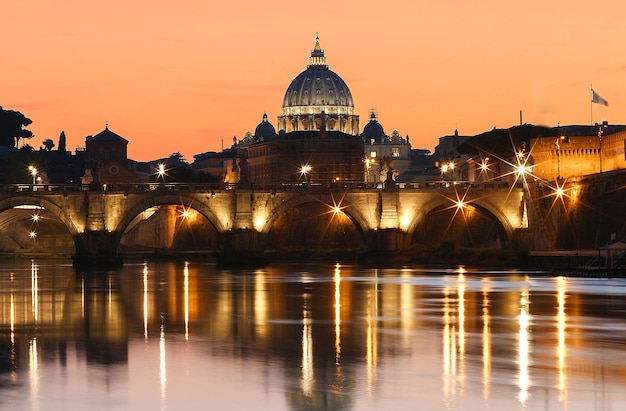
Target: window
373,154
395,152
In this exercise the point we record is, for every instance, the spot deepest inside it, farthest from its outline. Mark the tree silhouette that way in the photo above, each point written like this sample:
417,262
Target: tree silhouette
12,125
48,144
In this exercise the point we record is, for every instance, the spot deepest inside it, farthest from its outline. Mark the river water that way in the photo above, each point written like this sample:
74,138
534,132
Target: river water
178,336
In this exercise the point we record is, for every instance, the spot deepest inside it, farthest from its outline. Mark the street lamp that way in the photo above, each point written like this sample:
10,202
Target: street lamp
305,170
33,171
558,157
600,132
161,170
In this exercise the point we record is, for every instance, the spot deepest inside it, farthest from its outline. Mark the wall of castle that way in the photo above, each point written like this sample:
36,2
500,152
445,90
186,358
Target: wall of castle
577,156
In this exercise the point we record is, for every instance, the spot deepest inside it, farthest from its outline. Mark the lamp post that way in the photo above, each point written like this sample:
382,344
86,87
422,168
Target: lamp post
600,132
33,172
558,158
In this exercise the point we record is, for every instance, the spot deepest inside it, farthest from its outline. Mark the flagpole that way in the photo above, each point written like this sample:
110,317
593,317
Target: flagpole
591,103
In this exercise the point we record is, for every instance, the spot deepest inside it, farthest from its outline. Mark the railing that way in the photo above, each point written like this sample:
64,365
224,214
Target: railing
212,187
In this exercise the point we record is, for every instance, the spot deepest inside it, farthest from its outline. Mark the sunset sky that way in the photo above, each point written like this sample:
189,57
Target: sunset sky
181,76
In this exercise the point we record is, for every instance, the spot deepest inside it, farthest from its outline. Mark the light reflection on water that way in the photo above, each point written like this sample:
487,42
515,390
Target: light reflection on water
297,337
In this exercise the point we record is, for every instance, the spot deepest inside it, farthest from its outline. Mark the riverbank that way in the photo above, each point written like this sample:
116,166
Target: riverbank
573,263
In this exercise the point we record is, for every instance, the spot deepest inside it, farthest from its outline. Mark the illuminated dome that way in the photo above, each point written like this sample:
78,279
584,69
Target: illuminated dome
318,99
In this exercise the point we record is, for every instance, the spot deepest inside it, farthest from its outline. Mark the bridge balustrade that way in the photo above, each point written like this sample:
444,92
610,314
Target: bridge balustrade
212,187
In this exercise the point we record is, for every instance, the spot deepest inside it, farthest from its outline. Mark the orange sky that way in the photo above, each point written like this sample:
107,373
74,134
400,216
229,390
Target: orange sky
180,76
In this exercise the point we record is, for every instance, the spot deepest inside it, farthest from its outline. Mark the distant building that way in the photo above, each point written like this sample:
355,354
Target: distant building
306,156
223,165
383,151
106,157
574,151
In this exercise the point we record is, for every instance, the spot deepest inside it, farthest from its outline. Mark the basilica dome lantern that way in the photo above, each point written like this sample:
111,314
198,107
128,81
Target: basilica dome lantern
318,99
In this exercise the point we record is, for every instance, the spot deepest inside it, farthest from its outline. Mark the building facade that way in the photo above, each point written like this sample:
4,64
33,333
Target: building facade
384,155
579,150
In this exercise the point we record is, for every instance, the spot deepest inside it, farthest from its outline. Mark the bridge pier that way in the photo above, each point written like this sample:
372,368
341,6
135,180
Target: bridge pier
242,247
97,249
387,240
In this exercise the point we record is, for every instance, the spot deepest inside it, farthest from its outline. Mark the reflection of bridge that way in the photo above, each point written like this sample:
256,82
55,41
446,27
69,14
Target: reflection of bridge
386,218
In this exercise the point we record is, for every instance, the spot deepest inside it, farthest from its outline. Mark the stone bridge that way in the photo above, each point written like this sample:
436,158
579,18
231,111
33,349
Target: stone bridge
387,218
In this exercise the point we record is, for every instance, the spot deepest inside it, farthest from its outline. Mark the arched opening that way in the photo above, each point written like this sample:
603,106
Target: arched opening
463,225
32,229
172,228
315,227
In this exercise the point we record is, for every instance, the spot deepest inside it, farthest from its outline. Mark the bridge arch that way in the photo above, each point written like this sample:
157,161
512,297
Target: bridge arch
169,199
442,202
328,200
73,225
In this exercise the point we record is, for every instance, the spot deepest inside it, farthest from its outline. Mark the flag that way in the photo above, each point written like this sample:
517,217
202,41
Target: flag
595,98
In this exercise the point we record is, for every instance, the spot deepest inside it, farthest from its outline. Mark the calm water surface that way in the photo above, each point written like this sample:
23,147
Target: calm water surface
182,336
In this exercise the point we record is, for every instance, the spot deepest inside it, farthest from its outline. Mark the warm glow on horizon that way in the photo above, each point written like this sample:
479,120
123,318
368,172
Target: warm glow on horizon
189,76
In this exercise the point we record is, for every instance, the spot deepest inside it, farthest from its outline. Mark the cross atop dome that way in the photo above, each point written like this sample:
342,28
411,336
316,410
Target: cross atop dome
317,54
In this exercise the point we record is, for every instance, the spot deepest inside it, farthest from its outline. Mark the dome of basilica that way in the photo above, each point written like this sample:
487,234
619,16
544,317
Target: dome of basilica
318,85
317,98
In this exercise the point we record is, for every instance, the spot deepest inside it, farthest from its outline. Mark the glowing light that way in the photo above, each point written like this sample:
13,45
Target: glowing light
162,365
33,172
33,365
337,314
406,219
161,170
34,274
336,209
261,303
305,169
559,192
461,322
371,353
486,342
35,217
460,204
32,234
561,347
524,348
259,221
145,302
484,164
186,290
308,379
449,348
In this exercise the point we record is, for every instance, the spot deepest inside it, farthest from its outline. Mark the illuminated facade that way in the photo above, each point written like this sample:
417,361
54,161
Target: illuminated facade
318,99
580,150
384,154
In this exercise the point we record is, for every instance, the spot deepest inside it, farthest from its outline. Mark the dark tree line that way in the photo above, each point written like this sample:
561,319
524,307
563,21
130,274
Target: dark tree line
12,129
